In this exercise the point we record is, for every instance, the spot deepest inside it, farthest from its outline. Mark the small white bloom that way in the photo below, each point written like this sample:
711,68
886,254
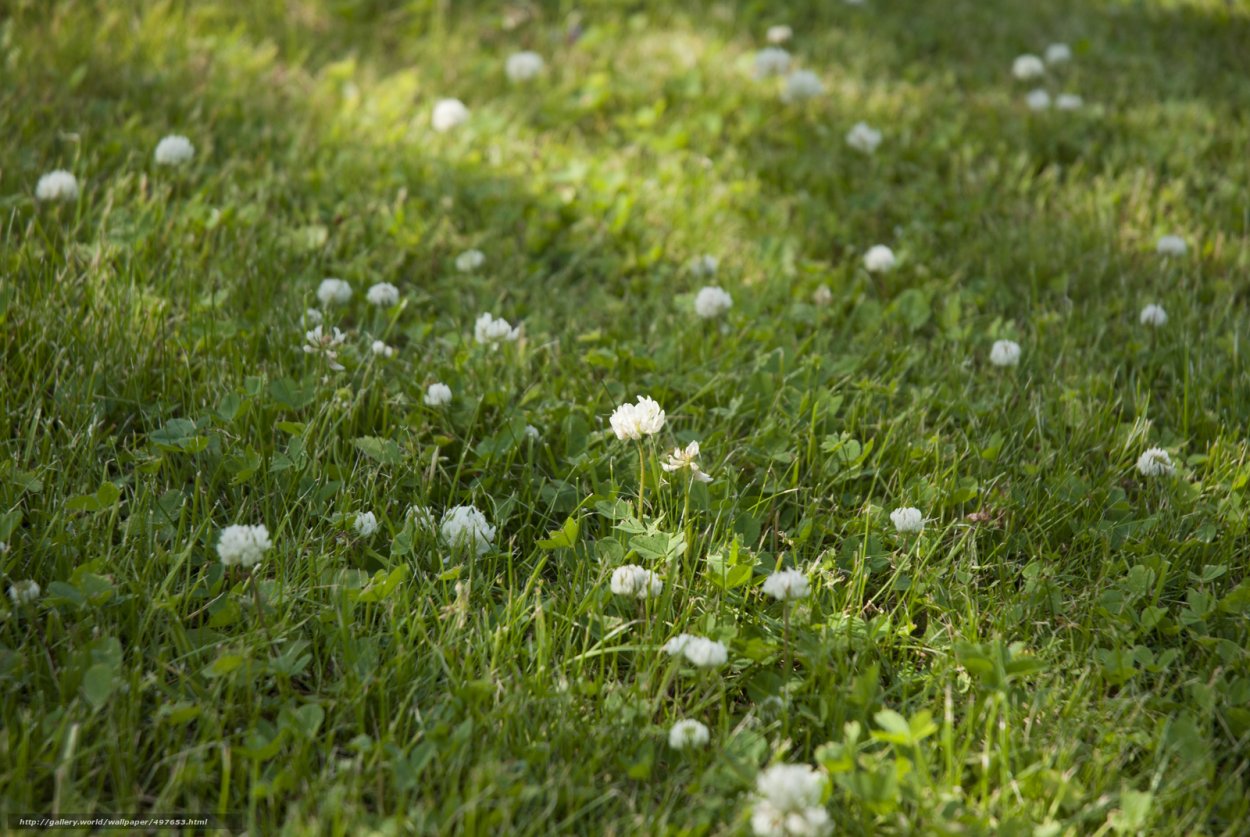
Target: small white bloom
491,331
334,291
313,317
465,526
907,520
703,266
788,802
1154,315
779,34
687,733
802,85
679,459
174,150
1027,67
366,524
243,545
4,548
421,516
57,185
633,421
531,433
436,395
635,582
1038,99
769,821
879,259
1058,54
1171,245
787,584
383,295
380,349
1005,353
22,592
1069,101
325,343
822,296
1155,462
699,651
470,260
448,114
712,302
523,66
863,137
771,61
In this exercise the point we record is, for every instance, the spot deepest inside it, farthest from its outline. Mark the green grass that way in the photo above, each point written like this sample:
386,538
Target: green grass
1065,645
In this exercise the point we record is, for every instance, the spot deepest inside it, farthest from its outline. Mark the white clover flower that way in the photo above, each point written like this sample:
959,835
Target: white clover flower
787,584
1005,353
687,733
23,592
57,185
802,85
635,582
4,548
531,433
174,150
779,34
243,545
1069,101
822,296
421,516
380,349
490,331
1154,315
436,395
1037,99
703,266
313,317
523,66
334,291
712,302
1058,54
633,421
448,114
879,259
788,802
863,138
366,524
1155,462
1027,67
908,520
771,61
325,343
680,459
465,526
698,651
1171,245
470,260
383,295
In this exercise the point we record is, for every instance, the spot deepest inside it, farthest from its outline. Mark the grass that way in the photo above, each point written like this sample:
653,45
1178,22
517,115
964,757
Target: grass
1063,650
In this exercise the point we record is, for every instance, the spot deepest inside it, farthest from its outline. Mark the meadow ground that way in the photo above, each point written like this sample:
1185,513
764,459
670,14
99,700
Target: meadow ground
1061,650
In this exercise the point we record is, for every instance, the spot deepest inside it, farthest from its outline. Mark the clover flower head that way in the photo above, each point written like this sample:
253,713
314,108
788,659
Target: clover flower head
1027,67
1154,315
242,545
466,527
334,291
436,395
174,150
802,85
449,114
383,295
687,734
632,581
879,259
319,341
907,520
57,185
633,421
863,138
771,61
1155,462
24,592
523,66
1005,353
491,331
366,524
787,584
684,458
711,302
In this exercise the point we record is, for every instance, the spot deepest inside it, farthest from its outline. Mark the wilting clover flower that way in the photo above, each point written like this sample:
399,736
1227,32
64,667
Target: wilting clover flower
523,66
22,592
788,802
687,733
802,85
787,584
383,295
380,349
1005,353
699,651
633,421
1155,462
436,395
465,526
635,582
325,343
491,331
1171,245
174,150
1069,101
907,520
680,459
879,259
448,114
779,34
470,260
1038,99
1058,54
703,266
334,291
771,61
712,302
1154,315
863,138
243,545
366,524
822,296
57,185
1027,67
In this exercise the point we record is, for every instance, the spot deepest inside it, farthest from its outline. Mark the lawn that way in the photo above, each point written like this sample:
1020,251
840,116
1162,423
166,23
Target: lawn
962,547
